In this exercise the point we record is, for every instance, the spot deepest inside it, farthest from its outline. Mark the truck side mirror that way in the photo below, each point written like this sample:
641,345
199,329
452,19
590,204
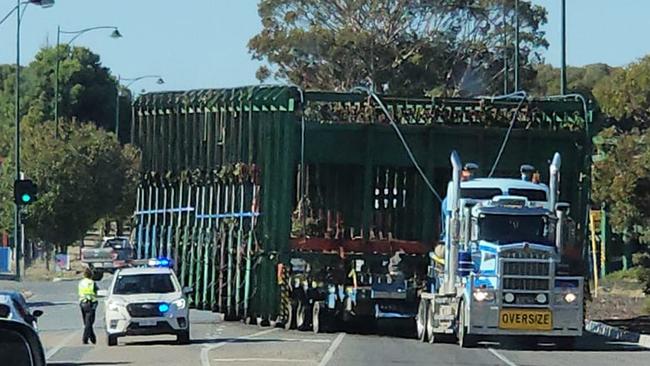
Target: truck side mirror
188,290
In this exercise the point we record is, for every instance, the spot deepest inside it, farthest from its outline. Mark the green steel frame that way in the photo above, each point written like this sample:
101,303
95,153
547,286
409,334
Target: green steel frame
213,160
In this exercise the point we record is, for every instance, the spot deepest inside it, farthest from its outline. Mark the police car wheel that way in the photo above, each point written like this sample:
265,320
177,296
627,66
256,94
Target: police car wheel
111,340
183,337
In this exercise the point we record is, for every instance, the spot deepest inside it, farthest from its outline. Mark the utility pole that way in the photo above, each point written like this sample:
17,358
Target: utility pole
505,49
516,45
563,62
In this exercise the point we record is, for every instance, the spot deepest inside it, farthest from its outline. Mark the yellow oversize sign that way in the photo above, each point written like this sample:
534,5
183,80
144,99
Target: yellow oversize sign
525,319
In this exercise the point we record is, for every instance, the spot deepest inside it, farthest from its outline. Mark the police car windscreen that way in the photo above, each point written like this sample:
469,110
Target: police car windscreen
480,193
144,284
531,194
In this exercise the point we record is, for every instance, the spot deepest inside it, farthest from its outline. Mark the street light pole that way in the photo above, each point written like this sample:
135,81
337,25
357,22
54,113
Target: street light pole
117,100
563,65
17,224
115,34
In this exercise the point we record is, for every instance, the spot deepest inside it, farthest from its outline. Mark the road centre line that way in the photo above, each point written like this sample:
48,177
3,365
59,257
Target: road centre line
260,359
502,357
205,361
51,352
332,349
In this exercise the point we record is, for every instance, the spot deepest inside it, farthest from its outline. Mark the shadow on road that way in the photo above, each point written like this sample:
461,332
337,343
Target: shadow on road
588,343
86,363
41,304
172,342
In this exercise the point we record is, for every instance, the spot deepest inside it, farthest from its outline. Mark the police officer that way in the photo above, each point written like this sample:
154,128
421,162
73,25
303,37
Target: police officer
88,302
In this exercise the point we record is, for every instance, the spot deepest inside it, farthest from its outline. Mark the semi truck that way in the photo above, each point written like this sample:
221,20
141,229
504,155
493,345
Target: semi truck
502,272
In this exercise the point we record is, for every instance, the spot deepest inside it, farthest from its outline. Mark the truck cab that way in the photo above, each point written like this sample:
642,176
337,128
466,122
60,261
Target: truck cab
503,240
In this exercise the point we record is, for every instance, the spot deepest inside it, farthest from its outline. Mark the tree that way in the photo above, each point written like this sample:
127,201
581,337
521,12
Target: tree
82,177
625,95
579,79
86,88
410,47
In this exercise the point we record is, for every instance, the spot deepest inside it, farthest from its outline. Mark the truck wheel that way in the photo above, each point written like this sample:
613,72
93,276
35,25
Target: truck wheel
111,340
565,343
431,322
464,340
301,315
421,320
321,321
289,322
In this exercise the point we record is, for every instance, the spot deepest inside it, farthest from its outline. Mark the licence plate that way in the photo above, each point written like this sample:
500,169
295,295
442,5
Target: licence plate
525,319
147,323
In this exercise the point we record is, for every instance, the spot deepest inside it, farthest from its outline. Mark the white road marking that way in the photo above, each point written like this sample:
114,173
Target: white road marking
259,359
502,357
52,351
204,351
332,349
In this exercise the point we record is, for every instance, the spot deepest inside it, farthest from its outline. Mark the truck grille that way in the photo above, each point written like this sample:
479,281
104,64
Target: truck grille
144,310
527,270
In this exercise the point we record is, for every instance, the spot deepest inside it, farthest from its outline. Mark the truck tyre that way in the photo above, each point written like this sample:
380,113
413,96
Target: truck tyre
290,321
464,340
301,315
111,340
565,343
321,321
421,320
431,322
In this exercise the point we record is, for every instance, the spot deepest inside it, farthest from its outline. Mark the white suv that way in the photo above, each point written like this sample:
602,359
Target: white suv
147,301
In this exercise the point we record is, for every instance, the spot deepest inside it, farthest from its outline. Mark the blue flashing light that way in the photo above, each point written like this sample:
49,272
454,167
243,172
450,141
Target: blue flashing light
160,262
163,308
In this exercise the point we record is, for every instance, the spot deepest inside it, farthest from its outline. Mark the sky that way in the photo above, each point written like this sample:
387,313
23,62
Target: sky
202,43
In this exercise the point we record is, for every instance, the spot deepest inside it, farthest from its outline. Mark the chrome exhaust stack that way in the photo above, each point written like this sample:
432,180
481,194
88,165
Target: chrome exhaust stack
554,181
453,226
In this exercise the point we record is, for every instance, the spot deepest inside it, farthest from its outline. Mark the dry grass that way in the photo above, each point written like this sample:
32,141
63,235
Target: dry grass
37,271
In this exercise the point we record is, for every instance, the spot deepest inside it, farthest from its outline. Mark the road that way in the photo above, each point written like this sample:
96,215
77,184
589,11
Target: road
231,343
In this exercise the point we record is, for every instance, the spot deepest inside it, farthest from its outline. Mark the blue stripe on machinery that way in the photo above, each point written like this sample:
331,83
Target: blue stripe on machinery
228,215
487,248
165,210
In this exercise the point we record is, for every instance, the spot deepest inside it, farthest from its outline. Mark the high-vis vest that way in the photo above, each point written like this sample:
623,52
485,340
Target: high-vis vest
87,290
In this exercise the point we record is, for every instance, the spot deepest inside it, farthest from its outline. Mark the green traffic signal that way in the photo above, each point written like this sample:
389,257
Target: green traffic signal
25,192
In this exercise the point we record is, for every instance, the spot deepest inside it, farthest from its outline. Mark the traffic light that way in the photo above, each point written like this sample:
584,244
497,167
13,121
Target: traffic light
25,192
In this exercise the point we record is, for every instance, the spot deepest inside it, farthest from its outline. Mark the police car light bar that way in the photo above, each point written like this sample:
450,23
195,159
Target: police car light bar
159,262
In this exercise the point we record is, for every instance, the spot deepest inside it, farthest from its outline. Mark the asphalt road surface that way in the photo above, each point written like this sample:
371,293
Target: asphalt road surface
231,343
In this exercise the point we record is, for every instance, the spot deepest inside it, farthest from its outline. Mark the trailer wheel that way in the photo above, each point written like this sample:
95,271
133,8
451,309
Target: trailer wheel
464,340
97,275
289,321
321,320
301,315
421,320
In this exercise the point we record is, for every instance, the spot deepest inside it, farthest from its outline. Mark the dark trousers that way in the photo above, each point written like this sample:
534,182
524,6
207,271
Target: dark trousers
88,315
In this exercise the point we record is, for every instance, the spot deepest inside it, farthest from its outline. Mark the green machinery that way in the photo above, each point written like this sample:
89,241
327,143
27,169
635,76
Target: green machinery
237,182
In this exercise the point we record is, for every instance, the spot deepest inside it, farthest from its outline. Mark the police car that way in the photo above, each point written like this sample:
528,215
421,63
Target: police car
147,301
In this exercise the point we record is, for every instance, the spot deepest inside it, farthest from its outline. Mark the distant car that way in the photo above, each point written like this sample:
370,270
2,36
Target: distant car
20,344
114,252
146,301
13,306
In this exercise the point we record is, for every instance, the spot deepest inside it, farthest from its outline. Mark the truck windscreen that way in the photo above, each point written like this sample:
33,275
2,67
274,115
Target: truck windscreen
509,229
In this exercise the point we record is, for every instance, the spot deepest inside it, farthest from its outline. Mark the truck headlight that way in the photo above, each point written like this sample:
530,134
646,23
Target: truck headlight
114,306
570,297
509,297
482,295
180,303
540,298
